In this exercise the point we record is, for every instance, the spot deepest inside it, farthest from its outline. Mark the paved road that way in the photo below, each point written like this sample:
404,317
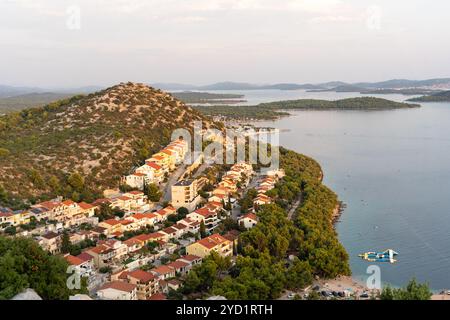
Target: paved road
236,211
294,207
173,178
200,170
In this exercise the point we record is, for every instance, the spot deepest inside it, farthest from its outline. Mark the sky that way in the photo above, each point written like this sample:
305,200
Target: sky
62,43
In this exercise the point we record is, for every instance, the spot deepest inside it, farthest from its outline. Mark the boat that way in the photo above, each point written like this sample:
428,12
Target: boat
385,256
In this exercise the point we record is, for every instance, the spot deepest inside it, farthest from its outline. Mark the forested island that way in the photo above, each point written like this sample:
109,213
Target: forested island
194,97
273,110
437,97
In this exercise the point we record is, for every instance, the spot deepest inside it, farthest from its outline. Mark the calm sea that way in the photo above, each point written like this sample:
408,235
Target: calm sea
392,169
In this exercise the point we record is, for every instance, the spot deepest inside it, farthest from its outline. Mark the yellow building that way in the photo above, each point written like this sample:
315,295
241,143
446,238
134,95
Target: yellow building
213,243
185,194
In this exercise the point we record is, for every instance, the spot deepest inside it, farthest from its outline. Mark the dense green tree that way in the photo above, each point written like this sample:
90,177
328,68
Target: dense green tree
413,291
153,193
65,243
3,195
54,184
76,181
4,152
11,230
23,264
299,275
182,213
202,229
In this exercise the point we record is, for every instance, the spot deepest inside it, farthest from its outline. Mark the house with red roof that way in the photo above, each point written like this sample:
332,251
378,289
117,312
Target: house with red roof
146,282
191,259
117,290
210,218
84,264
111,225
163,272
248,221
180,267
214,243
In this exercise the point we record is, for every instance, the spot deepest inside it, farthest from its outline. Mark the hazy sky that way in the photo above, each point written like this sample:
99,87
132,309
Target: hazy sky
102,42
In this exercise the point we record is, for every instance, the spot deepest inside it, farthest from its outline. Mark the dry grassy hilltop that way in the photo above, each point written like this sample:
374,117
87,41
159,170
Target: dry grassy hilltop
100,136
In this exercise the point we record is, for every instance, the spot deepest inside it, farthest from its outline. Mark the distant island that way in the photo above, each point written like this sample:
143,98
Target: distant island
351,88
194,97
30,100
443,96
273,110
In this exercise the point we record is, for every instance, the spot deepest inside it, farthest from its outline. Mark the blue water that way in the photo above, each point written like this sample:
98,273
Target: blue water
392,169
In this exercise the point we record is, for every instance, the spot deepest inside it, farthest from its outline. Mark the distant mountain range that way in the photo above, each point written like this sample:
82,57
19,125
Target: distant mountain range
339,86
401,85
235,86
11,91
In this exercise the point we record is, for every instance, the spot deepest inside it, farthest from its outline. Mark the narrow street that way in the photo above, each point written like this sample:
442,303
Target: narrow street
167,188
236,211
294,207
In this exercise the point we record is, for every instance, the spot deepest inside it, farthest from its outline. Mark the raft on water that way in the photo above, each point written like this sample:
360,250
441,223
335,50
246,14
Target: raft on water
385,256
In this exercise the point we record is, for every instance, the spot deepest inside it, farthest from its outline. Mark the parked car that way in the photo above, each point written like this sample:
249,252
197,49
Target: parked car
364,295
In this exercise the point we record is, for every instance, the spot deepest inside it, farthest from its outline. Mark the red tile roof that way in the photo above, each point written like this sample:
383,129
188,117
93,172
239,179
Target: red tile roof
212,241
169,230
191,257
168,152
85,256
74,261
142,276
119,285
138,174
154,165
112,222
162,270
177,264
135,192
49,204
138,216
158,296
205,212
251,216
85,206
132,242
125,222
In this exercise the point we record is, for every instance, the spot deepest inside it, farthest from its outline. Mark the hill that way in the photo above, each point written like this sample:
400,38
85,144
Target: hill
443,96
79,146
274,110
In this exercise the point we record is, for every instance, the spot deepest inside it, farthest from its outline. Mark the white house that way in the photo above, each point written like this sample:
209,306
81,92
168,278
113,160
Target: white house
248,221
118,290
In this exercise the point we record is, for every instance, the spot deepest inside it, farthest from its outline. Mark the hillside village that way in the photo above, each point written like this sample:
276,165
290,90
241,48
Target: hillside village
128,245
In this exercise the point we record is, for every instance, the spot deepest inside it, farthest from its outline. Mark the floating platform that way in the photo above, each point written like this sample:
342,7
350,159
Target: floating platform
385,256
